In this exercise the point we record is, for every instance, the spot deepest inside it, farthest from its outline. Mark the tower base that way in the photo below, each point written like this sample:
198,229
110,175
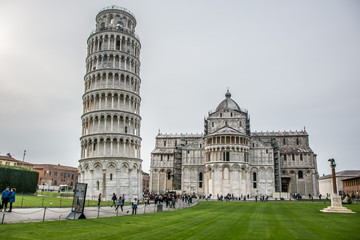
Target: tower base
336,206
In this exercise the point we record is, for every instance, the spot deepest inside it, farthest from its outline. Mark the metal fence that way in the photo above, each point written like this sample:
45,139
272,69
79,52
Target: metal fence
53,213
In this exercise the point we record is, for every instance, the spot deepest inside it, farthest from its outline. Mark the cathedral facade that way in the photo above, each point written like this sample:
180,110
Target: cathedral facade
230,159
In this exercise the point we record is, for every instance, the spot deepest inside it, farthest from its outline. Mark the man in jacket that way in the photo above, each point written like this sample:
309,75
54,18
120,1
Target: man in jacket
12,198
5,197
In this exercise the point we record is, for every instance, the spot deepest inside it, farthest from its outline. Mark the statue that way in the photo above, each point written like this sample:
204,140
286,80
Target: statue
336,205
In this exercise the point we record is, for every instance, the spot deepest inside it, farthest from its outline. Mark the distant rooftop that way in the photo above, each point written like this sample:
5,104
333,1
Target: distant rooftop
345,173
180,135
279,133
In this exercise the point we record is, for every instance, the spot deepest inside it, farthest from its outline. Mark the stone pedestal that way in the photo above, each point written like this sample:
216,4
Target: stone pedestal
336,206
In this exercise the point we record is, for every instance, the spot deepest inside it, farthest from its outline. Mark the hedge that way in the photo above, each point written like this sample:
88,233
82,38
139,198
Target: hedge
25,181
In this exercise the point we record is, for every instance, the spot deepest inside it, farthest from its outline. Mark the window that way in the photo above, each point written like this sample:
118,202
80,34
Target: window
254,185
55,182
293,157
284,141
61,174
164,143
55,174
50,173
297,141
97,185
254,176
126,129
284,157
212,124
168,157
200,145
301,157
240,124
71,184
14,164
161,157
200,184
188,152
111,176
267,151
220,114
117,44
231,114
300,174
226,123
169,176
94,146
175,142
72,176
200,176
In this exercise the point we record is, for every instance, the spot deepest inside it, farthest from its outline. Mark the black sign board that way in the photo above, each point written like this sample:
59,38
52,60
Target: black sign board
77,210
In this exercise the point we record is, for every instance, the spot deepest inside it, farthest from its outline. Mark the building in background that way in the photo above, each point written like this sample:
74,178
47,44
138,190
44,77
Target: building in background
352,186
146,181
8,160
230,159
110,141
325,181
56,175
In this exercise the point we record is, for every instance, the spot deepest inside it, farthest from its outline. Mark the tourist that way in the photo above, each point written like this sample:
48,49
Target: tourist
134,206
148,199
119,204
12,198
5,196
123,201
99,199
114,198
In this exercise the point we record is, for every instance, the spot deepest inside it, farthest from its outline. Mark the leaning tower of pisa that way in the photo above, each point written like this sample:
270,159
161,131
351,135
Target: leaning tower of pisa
110,140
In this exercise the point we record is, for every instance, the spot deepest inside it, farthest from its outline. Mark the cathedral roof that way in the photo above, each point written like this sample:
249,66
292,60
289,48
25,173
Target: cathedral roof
226,131
279,134
228,103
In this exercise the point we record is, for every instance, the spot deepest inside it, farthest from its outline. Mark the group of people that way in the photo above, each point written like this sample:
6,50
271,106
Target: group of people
7,196
120,202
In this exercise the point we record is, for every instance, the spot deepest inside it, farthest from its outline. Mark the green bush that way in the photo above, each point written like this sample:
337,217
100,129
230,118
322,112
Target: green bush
25,181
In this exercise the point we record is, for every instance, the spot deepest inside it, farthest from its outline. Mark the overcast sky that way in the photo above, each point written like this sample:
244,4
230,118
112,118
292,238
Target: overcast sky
290,63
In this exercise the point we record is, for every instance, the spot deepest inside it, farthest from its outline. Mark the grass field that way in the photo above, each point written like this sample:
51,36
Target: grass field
207,220
45,199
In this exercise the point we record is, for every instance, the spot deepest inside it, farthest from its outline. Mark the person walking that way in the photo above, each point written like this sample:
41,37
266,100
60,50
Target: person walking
134,206
114,198
99,200
12,198
119,204
5,196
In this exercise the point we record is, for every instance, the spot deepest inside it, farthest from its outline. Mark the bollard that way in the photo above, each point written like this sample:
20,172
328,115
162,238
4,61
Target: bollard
60,202
42,204
98,211
2,221
22,200
88,203
44,214
144,208
117,212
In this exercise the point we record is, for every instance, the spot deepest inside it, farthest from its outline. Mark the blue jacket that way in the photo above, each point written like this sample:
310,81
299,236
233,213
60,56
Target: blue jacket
5,195
12,197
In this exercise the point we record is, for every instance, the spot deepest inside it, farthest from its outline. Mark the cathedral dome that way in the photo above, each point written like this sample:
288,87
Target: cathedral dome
228,103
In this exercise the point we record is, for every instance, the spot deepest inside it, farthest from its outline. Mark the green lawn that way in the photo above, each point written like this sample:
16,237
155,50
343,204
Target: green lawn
49,200
207,220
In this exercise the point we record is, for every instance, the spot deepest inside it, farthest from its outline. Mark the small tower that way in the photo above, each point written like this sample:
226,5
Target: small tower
110,140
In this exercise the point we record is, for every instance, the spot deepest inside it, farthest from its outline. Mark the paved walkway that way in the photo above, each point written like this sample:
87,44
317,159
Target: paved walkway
52,214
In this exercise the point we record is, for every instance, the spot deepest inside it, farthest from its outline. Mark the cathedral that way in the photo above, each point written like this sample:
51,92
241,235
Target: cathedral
230,159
